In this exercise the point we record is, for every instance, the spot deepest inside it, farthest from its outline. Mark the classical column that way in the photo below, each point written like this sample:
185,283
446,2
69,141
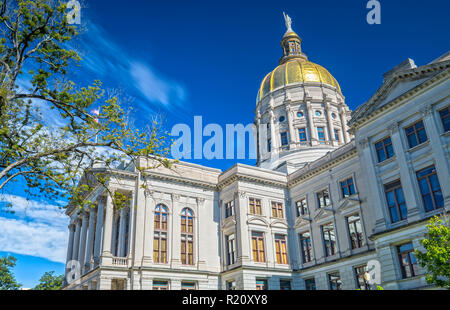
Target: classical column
70,244
312,129
174,237
99,230
108,225
273,136
292,136
329,122
76,242
406,173
374,191
82,247
122,227
442,163
242,233
131,215
140,231
90,239
343,116
115,224
149,229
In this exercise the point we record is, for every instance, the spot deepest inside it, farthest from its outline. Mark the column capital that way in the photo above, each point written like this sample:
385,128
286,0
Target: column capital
426,111
364,143
200,201
240,194
393,128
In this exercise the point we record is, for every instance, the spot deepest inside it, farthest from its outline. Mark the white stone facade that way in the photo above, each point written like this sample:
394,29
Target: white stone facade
116,249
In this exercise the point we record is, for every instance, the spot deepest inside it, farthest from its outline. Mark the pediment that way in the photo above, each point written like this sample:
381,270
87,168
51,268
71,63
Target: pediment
396,85
322,214
301,222
228,222
279,224
348,203
257,221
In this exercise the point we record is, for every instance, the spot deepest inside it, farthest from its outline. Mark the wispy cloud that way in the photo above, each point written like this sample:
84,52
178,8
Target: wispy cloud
36,228
109,62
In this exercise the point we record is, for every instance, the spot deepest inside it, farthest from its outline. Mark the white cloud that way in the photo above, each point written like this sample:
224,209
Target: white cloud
36,229
102,56
36,239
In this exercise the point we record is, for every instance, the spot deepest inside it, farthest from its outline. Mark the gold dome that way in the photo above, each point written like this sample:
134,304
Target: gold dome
297,70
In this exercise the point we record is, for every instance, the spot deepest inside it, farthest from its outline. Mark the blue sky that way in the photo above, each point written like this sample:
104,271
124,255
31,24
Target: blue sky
183,58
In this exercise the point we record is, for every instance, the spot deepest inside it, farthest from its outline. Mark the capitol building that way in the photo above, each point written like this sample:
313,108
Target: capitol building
332,190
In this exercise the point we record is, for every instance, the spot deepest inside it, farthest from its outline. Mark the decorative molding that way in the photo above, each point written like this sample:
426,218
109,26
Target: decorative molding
426,111
176,197
200,201
363,143
393,128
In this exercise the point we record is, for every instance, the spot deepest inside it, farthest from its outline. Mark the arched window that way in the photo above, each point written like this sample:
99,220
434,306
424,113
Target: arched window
187,237
160,234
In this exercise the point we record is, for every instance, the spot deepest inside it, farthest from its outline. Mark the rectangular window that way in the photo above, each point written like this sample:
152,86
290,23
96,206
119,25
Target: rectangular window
305,245
335,281
269,145
395,201
277,209
416,134
160,247
321,133
310,284
285,285
445,118
302,134
255,206
408,262
160,285
336,135
355,230
281,249
188,286
329,239
231,285
384,149
231,246
323,198
430,189
360,281
302,207
284,139
347,188
258,247
116,285
229,209
187,249
261,284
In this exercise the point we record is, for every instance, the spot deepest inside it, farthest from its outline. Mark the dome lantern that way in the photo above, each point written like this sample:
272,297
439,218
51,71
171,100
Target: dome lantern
291,43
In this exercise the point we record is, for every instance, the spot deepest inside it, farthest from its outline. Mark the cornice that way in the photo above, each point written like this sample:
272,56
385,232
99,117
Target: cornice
253,179
180,179
307,172
358,115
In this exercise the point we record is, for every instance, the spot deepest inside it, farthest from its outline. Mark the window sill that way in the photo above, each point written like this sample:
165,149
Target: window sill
418,147
354,197
398,224
386,161
445,134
